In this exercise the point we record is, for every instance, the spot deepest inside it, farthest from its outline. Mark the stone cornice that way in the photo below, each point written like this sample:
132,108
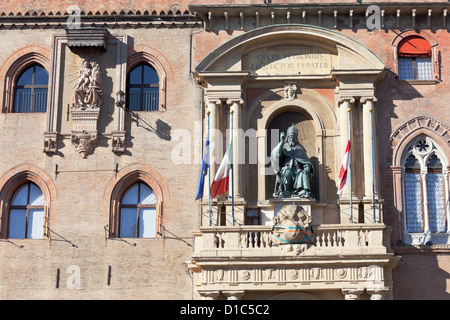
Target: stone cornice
397,15
106,19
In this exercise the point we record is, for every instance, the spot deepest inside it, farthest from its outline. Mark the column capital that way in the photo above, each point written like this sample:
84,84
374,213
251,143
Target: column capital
233,294
341,100
352,293
231,101
368,98
377,293
213,100
209,295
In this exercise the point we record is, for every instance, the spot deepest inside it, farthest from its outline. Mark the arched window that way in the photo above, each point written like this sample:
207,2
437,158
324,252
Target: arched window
26,213
414,59
138,212
143,88
31,90
424,189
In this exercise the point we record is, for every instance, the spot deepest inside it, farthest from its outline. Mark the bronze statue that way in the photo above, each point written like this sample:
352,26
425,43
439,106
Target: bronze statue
292,167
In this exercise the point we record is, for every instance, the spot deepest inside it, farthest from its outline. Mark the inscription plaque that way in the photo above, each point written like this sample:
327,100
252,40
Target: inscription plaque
292,60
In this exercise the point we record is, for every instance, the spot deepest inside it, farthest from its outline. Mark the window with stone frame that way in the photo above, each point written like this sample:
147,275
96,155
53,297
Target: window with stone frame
31,89
425,189
26,213
414,59
143,88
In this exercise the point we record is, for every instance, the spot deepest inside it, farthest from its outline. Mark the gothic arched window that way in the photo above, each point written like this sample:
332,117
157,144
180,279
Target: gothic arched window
31,89
26,213
424,188
138,212
143,88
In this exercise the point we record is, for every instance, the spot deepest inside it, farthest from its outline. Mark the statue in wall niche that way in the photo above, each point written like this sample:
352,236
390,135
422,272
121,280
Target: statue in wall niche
292,167
292,227
88,92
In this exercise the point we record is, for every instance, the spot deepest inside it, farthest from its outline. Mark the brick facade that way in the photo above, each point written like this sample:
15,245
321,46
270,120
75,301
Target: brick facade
80,192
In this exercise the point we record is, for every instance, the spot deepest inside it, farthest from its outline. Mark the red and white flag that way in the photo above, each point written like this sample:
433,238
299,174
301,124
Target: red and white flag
343,173
221,180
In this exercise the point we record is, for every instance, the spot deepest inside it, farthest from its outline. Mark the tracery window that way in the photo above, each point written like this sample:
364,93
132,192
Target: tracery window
31,90
424,187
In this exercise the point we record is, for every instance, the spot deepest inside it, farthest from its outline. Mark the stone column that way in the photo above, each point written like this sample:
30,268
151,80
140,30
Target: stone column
368,124
238,145
426,223
345,105
212,107
371,170
446,191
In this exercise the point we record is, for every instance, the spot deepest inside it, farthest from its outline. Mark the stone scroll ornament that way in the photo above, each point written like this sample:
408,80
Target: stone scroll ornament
292,225
292,167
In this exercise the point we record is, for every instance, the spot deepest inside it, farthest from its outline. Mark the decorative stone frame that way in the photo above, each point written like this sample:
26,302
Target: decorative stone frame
434,53
13,68
16,177
119,185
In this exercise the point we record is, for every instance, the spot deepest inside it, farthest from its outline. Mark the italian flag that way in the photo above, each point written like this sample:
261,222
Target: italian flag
343,173
221,180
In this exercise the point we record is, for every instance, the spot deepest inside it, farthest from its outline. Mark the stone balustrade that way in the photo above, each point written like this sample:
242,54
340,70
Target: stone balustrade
329,239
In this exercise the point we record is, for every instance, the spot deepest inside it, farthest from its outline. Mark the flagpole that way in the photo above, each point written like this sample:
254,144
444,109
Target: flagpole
209,176
232,168
350,165
373,166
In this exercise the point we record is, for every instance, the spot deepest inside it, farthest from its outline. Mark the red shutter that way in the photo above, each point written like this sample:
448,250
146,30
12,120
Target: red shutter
414,46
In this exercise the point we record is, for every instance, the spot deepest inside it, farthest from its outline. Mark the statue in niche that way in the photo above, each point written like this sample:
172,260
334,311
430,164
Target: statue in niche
292,167
88,93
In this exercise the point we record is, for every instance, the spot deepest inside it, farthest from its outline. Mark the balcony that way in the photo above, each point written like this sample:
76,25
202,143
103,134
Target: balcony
351,259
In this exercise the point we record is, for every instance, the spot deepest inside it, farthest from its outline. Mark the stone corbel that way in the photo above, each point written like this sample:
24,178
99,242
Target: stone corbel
118,141
84,141
84,135
50,142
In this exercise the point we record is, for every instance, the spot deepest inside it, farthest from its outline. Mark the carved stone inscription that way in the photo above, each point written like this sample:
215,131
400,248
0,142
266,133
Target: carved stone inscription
290,60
